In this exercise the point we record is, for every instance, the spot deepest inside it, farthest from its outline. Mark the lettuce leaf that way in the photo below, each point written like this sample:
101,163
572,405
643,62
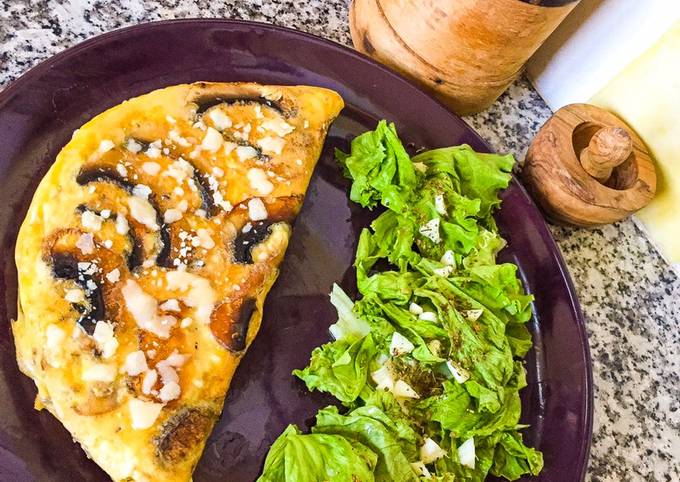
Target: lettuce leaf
426,268
295,457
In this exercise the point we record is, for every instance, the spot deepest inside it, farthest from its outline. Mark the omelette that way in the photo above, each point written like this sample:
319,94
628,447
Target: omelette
145,259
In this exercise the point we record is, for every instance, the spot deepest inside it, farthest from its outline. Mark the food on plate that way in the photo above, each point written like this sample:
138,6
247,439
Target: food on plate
427,362
145,258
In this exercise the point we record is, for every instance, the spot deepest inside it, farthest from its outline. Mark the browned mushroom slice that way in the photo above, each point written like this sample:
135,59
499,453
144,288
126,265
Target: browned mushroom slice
135,255
65,266
204,103
90,174
230,321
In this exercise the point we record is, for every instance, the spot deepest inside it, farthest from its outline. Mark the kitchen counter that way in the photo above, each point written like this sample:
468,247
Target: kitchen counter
630,297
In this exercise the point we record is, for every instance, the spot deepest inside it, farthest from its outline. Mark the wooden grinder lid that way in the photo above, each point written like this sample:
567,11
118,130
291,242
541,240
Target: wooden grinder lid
586,167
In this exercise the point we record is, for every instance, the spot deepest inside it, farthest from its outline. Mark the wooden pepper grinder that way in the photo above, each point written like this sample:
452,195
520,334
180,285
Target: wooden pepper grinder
466,52
586,167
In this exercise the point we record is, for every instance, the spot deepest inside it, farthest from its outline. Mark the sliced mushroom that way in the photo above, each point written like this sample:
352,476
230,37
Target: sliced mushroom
230,321
90,174
205,102
136,255
182,433
65,266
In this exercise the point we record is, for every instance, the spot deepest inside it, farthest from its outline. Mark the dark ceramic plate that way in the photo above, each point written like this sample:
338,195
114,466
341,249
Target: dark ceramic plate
38,114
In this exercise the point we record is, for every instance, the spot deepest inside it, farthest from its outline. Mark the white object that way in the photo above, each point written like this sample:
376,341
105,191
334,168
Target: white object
594,43
431,451
400,345
466,453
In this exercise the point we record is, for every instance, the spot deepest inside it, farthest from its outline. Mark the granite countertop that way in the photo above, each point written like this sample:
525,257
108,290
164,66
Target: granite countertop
630,297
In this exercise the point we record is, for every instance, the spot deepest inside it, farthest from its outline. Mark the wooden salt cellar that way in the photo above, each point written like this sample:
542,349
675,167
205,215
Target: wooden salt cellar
586,167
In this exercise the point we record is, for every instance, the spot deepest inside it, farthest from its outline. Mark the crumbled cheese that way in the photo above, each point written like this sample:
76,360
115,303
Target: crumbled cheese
440,204
141,190
170,119
154,150
186,322
272,144
91,220
105,338
247,228
219,119
149,380
108,244
466,453
299,162
213,140
143,414
246,152
431,230
170,305
106,213
99,373
132,146
143,308
257,211
229,146
179,191
143,212
204,237
85,243
167,372
259,182
278,126
151,168
199,125
170,391
172,215
175,359
175,137
217,172
54,337
74,296
105,146
113,276
305,124
122,226
198,292
135,363
180,170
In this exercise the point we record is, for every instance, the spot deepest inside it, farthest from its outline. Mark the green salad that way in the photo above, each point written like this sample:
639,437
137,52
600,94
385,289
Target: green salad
428,361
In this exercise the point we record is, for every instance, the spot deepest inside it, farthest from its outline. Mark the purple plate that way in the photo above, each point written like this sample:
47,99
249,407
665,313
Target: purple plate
38,114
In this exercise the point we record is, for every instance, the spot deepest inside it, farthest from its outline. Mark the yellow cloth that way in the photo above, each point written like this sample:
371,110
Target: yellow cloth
646,94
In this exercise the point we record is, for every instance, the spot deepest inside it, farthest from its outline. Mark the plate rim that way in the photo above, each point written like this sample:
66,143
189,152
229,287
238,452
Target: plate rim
588,400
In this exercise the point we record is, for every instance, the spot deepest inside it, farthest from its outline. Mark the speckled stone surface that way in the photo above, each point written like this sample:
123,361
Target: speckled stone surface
630,297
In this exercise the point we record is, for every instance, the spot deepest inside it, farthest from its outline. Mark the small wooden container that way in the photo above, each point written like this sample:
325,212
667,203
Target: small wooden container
586,167
466,51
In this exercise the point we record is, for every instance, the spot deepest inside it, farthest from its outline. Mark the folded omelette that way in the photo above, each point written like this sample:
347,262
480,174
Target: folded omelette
145,258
